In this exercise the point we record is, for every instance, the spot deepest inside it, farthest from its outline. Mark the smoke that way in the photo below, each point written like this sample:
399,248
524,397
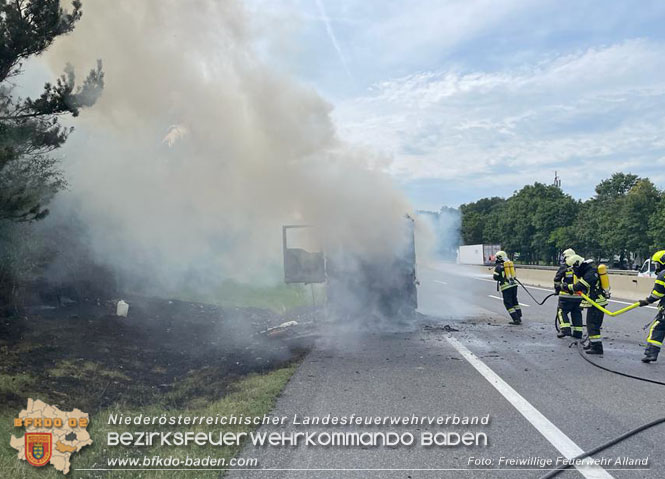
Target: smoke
445,232
197,152
448,231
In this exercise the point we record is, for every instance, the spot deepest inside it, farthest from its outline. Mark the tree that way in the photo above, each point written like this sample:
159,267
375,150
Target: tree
475,219
532,216
623,219
30,128
620,217
657,228
639,205
616,186
587,231
30,131
608,208
563,237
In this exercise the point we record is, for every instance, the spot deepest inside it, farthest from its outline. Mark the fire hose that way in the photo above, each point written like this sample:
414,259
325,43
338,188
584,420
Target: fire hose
591,301
606,311
639,378
609,313
626,435
602,447
540,303
616,440
615,313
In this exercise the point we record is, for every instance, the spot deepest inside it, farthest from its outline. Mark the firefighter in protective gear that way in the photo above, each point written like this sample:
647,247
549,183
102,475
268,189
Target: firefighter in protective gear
589,284
657,328
508,288
569,304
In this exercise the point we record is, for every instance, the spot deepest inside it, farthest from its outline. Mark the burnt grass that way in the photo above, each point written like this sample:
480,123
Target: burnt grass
167,352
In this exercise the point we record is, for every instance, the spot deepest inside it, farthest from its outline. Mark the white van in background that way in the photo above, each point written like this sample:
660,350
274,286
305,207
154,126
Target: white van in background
648,270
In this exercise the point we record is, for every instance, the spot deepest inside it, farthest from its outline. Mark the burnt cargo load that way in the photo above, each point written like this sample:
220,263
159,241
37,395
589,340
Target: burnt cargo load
358,287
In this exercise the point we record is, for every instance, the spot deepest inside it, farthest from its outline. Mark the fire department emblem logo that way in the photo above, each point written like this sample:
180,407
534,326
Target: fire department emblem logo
38,448
51,436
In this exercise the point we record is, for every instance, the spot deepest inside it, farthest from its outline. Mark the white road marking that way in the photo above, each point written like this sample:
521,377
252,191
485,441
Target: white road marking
496,297
625,302
539,289
549,291
440,282
544,426
485,279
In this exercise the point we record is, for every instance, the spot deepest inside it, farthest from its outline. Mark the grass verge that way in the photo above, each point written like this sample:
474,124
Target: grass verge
278,298
254,395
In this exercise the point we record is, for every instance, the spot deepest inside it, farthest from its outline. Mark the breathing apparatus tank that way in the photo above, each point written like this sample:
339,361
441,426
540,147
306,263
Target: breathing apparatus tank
509,268
604,277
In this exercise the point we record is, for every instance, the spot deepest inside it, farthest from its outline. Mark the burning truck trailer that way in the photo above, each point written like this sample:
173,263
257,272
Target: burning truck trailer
357,288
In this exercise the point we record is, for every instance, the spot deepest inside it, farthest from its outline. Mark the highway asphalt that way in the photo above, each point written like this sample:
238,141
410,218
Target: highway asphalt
543,399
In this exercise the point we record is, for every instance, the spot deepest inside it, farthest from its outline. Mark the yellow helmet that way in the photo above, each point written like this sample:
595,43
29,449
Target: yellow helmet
501,255
568,252
659,257
574,260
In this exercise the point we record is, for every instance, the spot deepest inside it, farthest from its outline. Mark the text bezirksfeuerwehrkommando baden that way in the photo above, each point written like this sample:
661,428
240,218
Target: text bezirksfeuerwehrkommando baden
284,438
295,439
296,420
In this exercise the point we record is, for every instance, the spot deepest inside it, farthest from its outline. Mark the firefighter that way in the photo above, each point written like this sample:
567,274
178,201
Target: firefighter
569,303
508,288
657,328
588,282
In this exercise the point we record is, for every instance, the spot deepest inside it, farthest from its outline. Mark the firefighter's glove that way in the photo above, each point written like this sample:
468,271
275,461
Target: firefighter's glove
643,302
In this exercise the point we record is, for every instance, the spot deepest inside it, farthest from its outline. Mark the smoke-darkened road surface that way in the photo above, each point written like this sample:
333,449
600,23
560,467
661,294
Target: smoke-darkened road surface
544,401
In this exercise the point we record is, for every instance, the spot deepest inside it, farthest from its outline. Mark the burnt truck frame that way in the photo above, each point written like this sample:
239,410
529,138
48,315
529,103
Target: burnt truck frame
300,265
355,285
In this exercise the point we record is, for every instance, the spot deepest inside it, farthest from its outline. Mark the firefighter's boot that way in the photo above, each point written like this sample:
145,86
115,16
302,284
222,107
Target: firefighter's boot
650,354
516,317
577,334
563,333
595,347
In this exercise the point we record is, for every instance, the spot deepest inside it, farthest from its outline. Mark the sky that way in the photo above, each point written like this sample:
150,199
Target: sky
473,98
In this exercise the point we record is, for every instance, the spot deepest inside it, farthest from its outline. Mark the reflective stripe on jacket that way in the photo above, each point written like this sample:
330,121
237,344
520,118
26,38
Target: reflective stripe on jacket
500,277
562,279
589,284
658,291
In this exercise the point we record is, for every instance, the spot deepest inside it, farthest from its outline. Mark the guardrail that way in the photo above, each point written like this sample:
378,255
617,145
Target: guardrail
625,272
626,284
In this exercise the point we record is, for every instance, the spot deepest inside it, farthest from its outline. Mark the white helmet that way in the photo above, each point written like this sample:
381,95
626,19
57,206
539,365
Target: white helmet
568,252
501,255
574,260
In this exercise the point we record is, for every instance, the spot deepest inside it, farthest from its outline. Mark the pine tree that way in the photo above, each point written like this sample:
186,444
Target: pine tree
29,128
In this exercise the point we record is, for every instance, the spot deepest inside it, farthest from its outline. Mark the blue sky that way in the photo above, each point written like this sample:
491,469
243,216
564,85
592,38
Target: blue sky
473,98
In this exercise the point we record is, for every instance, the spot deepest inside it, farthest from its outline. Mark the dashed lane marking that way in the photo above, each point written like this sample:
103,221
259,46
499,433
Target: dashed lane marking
496,297
549,291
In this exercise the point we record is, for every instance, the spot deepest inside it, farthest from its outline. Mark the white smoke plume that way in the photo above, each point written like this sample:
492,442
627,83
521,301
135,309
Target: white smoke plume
197,152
